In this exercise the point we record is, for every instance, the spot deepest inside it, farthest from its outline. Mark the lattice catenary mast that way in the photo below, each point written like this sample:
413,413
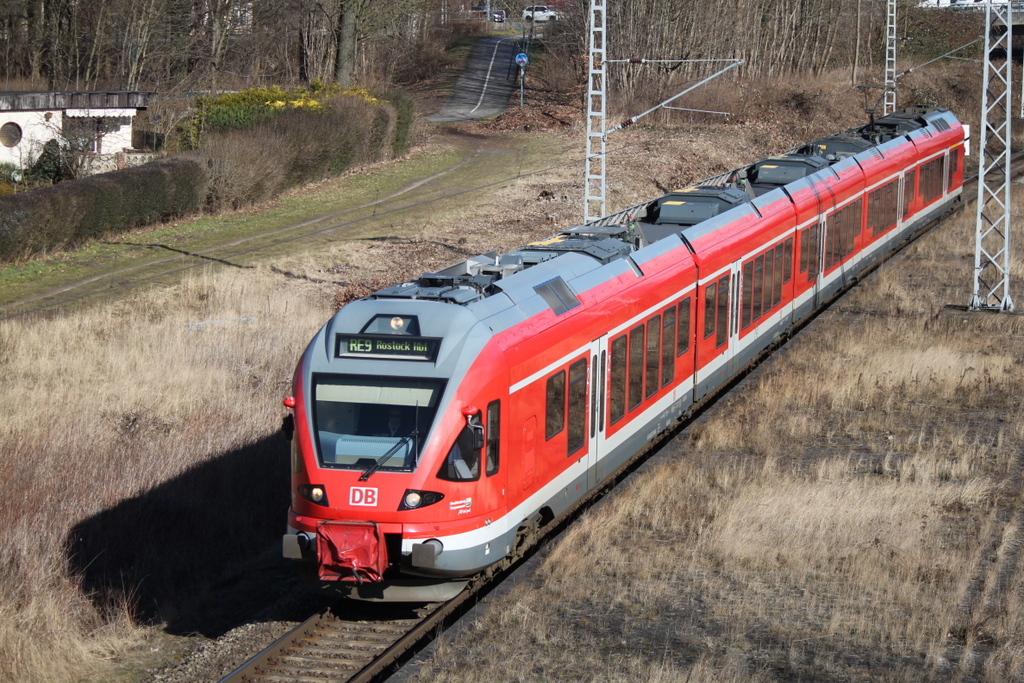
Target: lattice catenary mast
992,234
889,105
595,163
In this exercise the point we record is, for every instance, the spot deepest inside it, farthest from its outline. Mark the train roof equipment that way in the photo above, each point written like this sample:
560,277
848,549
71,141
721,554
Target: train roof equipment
618,236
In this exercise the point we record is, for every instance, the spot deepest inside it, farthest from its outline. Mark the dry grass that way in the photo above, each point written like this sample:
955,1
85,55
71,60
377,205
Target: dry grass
100,406
854,513
144,465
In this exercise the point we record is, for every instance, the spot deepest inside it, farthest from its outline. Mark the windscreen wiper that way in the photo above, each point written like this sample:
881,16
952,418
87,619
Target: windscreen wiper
387,456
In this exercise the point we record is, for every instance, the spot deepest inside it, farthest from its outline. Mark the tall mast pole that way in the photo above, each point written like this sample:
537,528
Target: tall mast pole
889,105
992,233
595,174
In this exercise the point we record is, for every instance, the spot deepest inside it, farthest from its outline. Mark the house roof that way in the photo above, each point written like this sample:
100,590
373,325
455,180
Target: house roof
74,99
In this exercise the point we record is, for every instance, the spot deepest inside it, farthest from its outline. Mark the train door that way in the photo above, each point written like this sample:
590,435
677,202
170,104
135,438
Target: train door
714,350
826,205
734,320
598,390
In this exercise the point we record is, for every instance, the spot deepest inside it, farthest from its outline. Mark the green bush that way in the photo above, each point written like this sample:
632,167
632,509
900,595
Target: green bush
298,145
69,213
234,167
249,108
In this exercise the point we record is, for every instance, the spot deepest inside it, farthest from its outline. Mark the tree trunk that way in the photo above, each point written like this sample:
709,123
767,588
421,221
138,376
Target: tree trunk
856,48
345,66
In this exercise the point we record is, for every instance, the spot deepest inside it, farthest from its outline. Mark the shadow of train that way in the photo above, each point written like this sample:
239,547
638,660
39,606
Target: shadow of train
200,552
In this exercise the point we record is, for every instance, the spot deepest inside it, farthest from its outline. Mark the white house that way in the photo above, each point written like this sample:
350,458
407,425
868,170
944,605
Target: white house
99,121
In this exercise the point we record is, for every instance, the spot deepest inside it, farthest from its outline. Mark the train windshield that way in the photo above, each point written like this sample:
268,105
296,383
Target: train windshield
373,422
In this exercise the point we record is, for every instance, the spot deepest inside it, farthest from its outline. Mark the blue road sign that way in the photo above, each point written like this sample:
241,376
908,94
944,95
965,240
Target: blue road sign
522,59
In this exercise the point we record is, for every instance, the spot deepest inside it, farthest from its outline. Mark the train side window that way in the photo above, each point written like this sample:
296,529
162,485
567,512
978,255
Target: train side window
805,240
893,215
493,436
787,261
683,328
931,180
555,420
873,199
577,405
769,276
709,309
653,355
723,311
636,366
882,209
595,378
618,388
845,235
747,298
908,190
813,259
845,232
831,227
463,460
777,294
668,344
758,287
954,166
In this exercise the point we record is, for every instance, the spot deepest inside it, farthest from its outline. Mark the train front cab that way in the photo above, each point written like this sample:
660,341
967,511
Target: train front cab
375,502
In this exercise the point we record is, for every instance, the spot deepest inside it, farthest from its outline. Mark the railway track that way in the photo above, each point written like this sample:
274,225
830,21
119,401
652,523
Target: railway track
340,645
333,646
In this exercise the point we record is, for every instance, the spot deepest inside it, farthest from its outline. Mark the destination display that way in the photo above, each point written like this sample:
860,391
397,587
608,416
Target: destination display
386,346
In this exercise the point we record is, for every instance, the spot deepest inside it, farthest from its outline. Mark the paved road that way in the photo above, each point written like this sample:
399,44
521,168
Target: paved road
484,87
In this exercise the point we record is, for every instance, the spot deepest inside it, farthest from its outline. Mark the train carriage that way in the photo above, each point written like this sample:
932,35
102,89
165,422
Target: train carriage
437,423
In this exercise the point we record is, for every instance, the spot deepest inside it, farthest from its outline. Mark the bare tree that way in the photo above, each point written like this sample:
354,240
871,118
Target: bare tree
318,38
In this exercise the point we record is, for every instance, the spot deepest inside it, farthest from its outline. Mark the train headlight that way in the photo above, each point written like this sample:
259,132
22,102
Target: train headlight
314,493
413,500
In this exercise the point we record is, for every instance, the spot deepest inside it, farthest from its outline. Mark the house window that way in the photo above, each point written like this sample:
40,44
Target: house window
10,134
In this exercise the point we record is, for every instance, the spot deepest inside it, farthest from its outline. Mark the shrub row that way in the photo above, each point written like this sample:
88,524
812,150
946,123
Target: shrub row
233,168
68,213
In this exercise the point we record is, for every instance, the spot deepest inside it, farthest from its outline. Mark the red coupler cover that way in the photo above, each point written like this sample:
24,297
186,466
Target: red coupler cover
352,552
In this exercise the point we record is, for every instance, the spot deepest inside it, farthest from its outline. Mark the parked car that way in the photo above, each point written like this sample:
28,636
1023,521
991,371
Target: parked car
497,15
539,13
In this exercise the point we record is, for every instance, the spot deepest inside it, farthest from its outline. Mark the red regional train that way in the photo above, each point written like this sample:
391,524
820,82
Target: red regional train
436,422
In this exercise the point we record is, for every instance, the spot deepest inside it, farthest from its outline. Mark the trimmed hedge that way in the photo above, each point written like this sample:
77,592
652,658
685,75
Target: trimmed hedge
68,213
232,169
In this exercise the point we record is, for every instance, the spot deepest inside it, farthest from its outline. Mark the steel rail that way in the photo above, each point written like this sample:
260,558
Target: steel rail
270,665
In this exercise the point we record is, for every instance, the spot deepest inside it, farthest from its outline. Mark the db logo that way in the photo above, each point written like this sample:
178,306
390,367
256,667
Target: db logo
362,496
